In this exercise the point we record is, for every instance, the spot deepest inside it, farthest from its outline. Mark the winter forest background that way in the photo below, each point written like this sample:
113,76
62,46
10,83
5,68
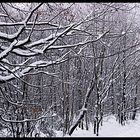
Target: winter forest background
65,66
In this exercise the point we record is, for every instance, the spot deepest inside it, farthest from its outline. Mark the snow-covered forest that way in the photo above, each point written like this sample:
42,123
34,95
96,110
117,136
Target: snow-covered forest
69,68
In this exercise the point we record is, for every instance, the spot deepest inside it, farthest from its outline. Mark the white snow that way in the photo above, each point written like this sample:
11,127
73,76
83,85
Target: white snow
3,15
21,73
3,133
5,52
11,36
123,32
100,35
110,128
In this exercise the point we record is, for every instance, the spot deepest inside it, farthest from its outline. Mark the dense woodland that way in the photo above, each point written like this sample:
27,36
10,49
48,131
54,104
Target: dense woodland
67,65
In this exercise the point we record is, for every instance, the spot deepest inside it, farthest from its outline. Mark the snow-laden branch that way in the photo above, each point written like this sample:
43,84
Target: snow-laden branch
24,23
28,53
77,44
22,48
23,51
3,15
25,120
60,35
5,61
6,51
29,23
2,112
52,37
43,72
37,64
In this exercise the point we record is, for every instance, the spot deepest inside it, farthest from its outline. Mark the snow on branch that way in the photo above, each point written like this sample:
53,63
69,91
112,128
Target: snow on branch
45,115
37,64
29,23
9,49
24,23
25,120
3,15
78,44
52,37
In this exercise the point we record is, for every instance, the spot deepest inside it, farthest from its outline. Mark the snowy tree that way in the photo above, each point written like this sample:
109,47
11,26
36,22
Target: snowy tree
62,67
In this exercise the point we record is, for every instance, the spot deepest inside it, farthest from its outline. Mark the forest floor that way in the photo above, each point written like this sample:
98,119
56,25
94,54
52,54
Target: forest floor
110,128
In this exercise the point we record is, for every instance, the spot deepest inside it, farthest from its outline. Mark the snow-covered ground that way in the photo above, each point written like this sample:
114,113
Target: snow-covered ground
110,128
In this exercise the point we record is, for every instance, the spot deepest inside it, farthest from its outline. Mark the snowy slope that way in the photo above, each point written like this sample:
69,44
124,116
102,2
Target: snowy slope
110,128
